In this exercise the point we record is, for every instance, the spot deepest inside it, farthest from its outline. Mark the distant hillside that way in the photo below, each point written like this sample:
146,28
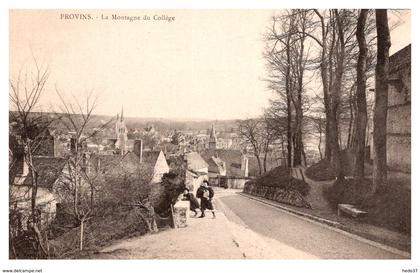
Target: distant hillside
160,124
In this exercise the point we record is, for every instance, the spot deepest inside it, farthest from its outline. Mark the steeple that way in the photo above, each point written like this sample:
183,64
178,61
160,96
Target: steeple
213,132
212,138
121,132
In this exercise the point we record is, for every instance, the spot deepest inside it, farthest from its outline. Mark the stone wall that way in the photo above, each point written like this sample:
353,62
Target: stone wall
181,210
399,152
399,111
399,119
290,197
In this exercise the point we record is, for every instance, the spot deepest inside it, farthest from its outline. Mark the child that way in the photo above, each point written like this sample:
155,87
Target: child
194,205
206,194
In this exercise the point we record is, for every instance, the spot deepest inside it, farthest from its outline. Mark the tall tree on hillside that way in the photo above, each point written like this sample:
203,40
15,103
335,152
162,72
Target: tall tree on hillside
77,117
323,65
299,66
249,130
279,62
381,101
269,135
287,61
361,116
25,92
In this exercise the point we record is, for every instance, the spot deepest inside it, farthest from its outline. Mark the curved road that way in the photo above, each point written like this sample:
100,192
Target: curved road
292,234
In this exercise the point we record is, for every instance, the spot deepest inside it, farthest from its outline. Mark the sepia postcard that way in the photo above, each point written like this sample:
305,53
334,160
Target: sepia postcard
206,135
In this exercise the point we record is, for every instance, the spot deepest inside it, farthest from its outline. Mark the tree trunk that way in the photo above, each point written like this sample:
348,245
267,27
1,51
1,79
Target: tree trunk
289,107
265,159
351,121
259,163
381,101
361,117
82,225
335,98
320,142
305,163
326,90
327,151
34,187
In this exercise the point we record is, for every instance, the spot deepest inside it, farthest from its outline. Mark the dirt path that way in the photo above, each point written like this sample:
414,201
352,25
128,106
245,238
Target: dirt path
316,197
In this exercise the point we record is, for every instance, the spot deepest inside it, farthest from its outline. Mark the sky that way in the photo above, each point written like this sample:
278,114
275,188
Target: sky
203,64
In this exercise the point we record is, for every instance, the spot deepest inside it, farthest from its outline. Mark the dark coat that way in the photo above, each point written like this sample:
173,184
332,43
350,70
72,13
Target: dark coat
206,203
201,190
193,201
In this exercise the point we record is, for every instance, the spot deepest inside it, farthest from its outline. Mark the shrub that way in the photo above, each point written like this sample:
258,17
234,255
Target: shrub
280,177
99,232
390,208
320,171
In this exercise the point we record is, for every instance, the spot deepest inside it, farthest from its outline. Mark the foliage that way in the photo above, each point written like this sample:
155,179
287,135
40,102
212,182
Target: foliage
177,138
390,208
173,184
281,177
320,171
121,209
100,231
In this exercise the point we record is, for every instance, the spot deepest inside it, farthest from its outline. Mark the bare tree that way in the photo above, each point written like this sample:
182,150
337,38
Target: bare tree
381,101
24,95
250,130
77,118
287,61
361,116
279,67
269,135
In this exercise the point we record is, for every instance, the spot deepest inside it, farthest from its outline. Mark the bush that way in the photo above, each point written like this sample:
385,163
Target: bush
99,232
320,171
280,177
390,208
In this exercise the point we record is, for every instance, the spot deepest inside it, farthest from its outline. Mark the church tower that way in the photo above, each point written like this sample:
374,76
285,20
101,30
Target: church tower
121,133
212,139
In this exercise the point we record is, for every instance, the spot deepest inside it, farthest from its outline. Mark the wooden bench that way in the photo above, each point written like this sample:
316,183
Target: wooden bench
350,210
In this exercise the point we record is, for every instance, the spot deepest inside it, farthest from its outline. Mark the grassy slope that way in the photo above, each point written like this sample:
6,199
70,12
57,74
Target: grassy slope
99,232
281,177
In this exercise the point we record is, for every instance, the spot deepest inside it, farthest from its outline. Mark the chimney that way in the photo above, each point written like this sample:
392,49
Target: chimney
22,172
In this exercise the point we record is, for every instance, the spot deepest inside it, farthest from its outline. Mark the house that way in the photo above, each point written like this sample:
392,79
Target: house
43,136
229,168
194,180
157,159
399,111
196,163
130,162
49,170
46,146
197,170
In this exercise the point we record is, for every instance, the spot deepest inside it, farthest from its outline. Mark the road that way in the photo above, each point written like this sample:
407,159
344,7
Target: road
297,237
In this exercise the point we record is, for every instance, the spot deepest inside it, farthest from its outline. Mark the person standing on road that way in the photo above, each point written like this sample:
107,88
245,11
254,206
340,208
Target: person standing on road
206,194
